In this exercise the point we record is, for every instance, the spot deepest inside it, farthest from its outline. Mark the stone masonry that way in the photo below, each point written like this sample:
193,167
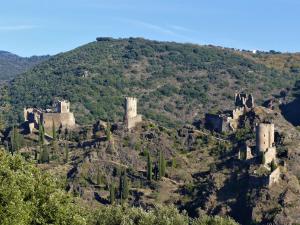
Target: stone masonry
131,117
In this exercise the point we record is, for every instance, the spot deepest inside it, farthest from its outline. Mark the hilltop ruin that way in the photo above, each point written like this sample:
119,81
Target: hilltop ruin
61,117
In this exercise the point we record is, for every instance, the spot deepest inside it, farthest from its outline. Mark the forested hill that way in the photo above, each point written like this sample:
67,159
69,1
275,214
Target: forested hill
11,65
174,83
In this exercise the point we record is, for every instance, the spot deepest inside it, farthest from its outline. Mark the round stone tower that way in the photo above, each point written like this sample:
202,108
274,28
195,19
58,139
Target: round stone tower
264,136
130,107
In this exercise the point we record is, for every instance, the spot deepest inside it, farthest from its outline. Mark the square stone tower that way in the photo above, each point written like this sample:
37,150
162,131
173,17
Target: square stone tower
63,106
131,117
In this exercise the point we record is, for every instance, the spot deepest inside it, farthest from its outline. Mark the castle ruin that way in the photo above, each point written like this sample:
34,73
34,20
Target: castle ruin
229,120
265,141
61,117
131,117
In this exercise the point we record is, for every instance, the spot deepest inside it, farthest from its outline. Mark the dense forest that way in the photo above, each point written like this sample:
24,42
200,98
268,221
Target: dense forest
175,83
11,65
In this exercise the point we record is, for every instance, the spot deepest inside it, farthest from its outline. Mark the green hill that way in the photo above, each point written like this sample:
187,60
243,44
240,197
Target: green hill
11,65
174,82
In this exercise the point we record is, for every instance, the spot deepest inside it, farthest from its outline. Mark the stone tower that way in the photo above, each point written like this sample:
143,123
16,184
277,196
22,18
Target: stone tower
264,136
131,117
63,107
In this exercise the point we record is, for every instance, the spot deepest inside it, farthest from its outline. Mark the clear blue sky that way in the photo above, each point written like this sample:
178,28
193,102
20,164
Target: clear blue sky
36,27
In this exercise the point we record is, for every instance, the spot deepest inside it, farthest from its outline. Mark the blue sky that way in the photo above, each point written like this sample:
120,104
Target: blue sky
36,27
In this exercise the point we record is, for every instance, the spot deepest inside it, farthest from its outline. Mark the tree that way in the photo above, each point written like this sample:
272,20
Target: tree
66,133
123,187
112,191
66,153
15,140
44,156
273,165
108,132
161,165
98,178
41,133
149,167
54,134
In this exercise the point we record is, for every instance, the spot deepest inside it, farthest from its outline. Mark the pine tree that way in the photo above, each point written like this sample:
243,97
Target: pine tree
161,165
149,167
112,191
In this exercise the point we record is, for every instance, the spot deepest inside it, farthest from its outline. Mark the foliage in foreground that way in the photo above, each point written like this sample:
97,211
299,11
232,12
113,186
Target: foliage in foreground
28,196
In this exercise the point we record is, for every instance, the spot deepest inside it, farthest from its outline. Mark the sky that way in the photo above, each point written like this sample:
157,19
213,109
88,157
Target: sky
39,27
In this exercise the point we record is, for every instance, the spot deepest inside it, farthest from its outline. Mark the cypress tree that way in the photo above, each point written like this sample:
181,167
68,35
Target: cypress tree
123,187
15,141
98,178
66,153
112,194
108,132
41,133
44,157
161,165
149,167
54,134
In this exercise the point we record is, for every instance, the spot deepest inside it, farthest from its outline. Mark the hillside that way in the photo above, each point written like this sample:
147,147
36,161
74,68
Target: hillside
175,83
11,65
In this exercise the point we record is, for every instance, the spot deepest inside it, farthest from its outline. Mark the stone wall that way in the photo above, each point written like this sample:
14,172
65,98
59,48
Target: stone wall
270,154
63,107
61,120
274,177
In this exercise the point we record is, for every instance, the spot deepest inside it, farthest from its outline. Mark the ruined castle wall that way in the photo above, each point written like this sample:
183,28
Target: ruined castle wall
131,122
65,120
270,155
63,107
264,136
274,177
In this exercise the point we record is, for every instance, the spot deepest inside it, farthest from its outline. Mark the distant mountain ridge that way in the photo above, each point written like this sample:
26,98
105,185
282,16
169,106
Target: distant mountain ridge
11,64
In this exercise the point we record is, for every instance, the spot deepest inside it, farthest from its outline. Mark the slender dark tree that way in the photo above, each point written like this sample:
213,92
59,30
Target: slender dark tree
123,187
98,178
149,167
66,153
161,165
41,133
15,141
54,134
112,192
44,156
108,131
